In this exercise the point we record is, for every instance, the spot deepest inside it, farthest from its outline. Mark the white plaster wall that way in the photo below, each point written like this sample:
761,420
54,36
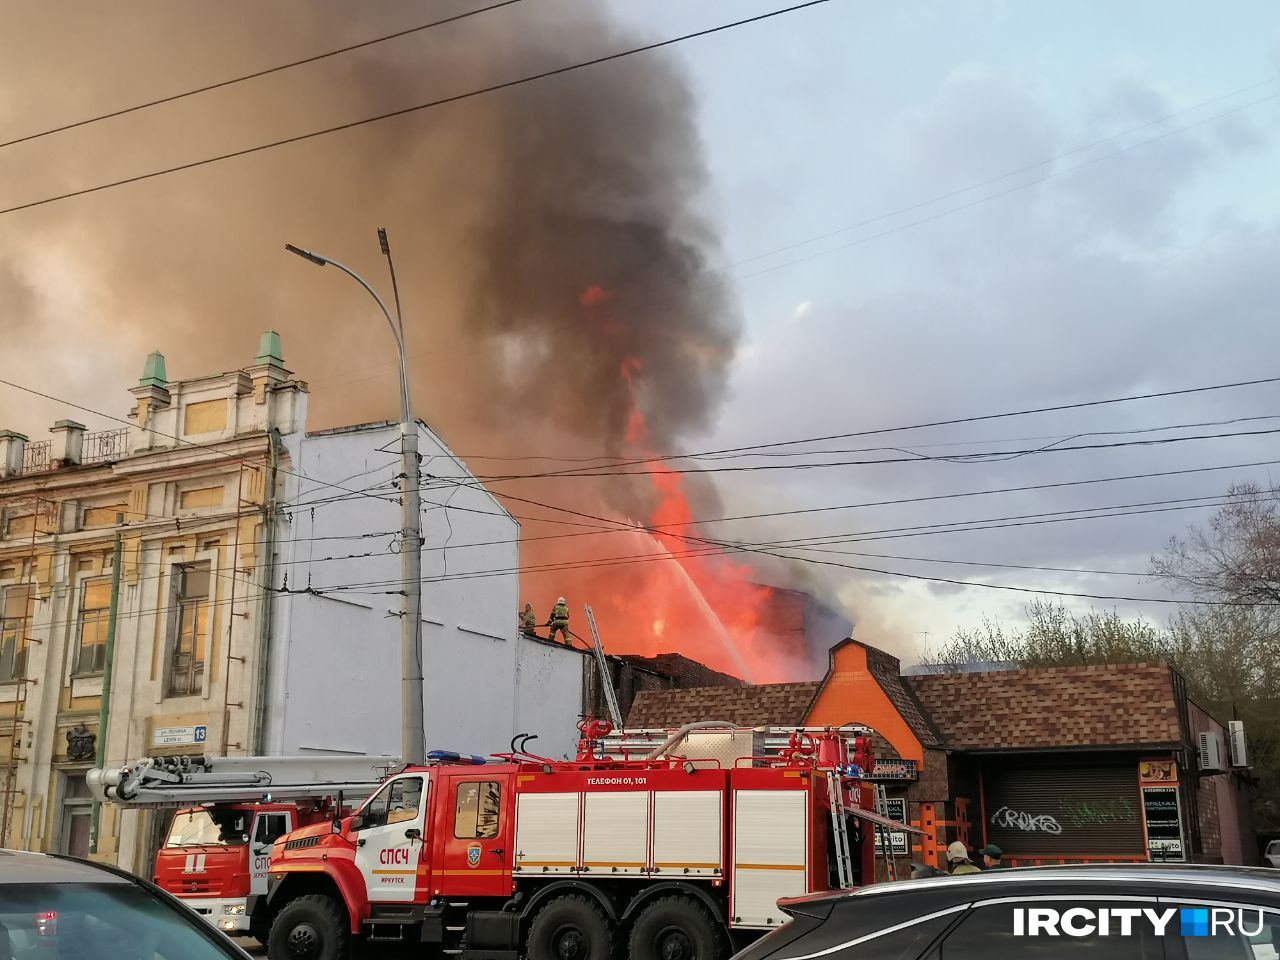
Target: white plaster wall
549,696
335,673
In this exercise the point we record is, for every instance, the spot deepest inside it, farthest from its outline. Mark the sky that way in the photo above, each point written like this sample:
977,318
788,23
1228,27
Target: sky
890,215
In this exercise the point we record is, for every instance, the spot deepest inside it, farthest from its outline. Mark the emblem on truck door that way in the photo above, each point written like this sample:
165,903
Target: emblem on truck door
473,855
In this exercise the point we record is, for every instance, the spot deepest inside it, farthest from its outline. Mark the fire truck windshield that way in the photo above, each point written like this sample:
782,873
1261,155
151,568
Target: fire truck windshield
209,827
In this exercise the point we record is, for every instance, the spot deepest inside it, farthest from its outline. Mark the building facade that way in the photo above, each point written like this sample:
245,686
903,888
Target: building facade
1055,765
256,599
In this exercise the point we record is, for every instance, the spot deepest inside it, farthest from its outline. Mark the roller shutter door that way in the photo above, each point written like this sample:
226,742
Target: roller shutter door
1063,810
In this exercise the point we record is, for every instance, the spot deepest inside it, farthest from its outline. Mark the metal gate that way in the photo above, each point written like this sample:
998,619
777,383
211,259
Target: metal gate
1063,810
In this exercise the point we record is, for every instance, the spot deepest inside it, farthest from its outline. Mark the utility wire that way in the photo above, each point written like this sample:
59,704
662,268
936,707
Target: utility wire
880,431
253,76
958,458
441,101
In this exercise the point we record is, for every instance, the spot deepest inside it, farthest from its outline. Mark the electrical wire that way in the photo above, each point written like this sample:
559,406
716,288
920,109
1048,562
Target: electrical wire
252,76
441,101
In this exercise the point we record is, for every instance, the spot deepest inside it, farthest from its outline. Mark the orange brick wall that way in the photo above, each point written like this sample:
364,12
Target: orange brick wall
851,695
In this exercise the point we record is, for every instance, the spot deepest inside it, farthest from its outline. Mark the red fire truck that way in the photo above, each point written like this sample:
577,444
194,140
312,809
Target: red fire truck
230,813
674,853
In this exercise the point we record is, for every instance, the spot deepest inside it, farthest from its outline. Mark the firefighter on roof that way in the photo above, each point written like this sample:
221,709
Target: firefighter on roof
528,622
560,620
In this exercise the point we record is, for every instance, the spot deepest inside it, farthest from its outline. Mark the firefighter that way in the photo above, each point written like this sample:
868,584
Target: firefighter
528,622
958,859
559,621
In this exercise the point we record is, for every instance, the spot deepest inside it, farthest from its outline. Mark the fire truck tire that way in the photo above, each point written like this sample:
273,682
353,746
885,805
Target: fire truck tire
571,928
312,927
676,928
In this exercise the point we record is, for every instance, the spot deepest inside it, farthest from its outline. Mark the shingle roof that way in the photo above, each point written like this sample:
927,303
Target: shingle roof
766,704
886,670
1113,705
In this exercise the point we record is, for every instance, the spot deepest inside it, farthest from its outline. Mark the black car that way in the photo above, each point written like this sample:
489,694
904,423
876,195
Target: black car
1137,912
61,908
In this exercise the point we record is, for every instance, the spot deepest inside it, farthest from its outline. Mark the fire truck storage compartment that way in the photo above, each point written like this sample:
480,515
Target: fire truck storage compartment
770,854
615,832
687,832
547,833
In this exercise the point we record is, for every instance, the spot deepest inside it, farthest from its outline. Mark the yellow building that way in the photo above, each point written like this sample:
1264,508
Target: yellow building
186,494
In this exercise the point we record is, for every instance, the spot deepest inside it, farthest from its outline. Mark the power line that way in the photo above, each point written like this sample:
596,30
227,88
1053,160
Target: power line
915,446
441,101
880,431
958,458
253,76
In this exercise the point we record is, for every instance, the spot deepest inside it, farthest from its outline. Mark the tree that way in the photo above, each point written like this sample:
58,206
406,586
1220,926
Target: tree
1236,556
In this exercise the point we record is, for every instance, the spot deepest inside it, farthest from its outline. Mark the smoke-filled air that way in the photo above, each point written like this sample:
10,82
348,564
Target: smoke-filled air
553,242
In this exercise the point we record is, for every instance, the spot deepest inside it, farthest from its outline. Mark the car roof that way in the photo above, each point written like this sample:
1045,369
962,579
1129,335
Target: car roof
995,882
22,866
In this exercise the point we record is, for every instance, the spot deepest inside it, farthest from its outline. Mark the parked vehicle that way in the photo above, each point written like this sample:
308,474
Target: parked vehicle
219,843
61,908
667,855
1272,856
1131,912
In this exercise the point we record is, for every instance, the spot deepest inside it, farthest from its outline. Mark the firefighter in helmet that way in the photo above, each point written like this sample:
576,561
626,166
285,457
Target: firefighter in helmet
528,622
560,620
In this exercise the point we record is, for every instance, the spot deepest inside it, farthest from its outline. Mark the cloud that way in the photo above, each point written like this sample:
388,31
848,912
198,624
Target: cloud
802,310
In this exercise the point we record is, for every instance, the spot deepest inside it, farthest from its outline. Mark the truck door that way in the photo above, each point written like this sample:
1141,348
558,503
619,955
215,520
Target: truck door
473,834
389,836
267,825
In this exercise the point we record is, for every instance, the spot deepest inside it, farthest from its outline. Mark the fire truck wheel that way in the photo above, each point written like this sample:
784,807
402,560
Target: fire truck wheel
571,928
676,928
309,928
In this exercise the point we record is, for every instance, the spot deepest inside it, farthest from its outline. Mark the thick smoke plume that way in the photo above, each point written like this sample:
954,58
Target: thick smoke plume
547,236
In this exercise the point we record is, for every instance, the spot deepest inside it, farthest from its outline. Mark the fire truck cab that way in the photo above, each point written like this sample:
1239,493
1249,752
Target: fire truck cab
216,858
669,854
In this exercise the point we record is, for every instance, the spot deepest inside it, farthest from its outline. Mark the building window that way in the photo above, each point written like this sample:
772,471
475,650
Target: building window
475,814
189,630
95,604
15,611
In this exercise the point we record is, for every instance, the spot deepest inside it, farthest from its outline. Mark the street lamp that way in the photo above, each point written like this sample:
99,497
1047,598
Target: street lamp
413,737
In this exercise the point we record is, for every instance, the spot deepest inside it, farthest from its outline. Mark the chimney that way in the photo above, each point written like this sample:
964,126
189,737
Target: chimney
69,444
12,446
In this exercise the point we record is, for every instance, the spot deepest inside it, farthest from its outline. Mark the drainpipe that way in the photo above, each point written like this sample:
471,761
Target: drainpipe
105,699
266,563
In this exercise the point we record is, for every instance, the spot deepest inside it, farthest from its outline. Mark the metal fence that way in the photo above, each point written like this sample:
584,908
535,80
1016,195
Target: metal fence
104,446
35,456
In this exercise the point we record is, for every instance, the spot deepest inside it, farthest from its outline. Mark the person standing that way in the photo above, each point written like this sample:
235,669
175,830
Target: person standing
528,622
560,621
958,860
991,855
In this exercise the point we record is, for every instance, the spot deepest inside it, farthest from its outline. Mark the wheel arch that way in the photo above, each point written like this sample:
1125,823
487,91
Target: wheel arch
299,883
659,890
561,887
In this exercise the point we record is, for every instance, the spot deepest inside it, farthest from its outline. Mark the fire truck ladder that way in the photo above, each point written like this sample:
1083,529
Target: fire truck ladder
602,665
156,781
840,831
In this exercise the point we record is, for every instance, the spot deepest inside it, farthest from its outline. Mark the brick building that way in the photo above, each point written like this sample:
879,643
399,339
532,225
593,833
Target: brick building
1054,765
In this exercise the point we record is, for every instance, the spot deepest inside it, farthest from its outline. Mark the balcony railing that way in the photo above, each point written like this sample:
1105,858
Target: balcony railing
105,446
35,456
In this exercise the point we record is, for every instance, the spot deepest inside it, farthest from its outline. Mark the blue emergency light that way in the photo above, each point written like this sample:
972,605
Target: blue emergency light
448,756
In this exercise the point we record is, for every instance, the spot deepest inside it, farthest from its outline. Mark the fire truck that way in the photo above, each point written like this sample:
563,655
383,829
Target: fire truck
229,813
678,850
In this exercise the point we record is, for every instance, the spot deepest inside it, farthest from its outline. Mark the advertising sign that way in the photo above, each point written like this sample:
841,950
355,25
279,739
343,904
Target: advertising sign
895,809
1163,817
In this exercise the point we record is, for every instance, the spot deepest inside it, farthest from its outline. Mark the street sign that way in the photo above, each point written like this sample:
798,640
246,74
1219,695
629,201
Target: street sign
178,736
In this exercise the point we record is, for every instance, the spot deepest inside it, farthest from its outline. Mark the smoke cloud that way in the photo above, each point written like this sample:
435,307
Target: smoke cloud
545,235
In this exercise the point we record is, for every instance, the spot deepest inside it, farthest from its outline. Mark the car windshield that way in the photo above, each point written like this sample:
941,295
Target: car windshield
82,921
201,827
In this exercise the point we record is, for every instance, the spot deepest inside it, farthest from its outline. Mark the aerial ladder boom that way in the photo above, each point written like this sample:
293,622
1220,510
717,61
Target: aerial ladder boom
193,780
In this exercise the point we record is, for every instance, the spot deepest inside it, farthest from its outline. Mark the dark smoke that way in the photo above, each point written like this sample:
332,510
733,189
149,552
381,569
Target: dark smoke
503,210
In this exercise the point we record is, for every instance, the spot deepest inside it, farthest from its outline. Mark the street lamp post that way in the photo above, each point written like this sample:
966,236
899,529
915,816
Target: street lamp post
413,736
